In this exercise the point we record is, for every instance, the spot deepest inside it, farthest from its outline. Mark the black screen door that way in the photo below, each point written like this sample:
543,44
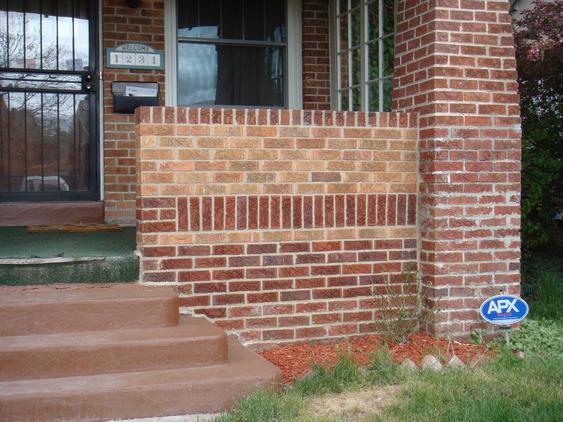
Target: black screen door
48,100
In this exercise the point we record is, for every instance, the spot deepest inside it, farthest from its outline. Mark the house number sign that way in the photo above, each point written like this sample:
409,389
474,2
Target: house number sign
135,56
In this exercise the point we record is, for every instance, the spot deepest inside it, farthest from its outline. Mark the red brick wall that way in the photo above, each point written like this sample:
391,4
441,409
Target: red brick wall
316,55
120,25
455,66
278,225
146,24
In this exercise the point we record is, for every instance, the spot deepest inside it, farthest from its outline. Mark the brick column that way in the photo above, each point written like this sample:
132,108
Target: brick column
455,66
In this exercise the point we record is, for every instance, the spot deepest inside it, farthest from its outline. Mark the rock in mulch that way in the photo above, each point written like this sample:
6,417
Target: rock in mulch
456,362
430,362
409,365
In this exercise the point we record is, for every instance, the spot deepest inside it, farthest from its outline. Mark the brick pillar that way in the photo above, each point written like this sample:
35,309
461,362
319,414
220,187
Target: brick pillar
455,66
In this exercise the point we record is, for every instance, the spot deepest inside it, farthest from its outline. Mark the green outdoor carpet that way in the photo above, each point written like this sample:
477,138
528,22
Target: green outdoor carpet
120,264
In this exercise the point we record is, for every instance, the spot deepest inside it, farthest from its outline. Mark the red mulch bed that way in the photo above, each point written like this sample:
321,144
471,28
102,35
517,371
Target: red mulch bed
296,361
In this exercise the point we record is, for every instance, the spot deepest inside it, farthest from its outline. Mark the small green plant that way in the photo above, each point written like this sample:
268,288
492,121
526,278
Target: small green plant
477,336
536,337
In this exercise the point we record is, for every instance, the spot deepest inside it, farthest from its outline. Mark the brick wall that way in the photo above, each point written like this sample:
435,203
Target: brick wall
146,24
120,25
455,66
316,55
278,225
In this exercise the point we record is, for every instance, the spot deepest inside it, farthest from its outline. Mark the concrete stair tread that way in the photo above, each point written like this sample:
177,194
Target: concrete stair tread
195,342
73,308
57,293
139,394
188,328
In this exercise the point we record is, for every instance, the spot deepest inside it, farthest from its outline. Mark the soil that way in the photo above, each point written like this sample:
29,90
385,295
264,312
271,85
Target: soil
295,361
354,405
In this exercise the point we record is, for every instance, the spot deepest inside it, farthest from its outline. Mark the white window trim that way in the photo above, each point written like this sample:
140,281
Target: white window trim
294,54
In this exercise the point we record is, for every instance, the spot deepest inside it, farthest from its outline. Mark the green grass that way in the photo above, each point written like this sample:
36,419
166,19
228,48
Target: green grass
506,389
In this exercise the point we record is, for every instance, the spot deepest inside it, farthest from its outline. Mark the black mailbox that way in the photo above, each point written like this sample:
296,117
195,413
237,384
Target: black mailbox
130,95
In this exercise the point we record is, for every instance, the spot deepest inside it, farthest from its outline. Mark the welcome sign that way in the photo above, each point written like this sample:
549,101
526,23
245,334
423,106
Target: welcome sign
504,309
135,56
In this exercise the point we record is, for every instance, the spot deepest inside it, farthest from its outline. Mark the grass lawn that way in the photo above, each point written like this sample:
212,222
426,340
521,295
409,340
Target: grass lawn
508,388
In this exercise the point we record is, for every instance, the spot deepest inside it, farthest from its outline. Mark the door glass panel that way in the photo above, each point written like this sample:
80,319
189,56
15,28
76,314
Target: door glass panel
40,81
3,34
32,35
65,35
15,39
50,181
33,138
82,142
81,36
49,36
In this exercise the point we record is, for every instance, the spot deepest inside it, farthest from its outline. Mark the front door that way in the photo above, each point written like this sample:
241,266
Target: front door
48,100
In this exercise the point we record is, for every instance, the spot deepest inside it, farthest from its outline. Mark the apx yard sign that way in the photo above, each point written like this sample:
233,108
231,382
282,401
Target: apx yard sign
504,309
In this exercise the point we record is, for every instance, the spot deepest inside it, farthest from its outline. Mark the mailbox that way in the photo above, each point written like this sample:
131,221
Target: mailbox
130,95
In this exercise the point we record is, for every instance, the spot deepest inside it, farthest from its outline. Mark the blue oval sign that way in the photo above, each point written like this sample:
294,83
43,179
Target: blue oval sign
504,309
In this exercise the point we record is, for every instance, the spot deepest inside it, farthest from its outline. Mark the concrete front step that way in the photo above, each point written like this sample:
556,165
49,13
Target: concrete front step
148,393
72,308
195,342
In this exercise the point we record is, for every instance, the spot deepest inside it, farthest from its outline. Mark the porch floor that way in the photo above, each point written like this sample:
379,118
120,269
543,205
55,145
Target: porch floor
92,257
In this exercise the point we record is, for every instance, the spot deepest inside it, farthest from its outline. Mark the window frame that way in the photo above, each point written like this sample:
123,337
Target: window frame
293,89
364,45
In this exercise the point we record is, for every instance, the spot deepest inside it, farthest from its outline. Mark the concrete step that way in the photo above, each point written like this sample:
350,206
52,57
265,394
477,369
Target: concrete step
46,258
138,394
88,307
195,342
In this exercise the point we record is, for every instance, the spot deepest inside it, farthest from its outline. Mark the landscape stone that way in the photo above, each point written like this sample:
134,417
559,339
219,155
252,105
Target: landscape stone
409,365
430,362
456,362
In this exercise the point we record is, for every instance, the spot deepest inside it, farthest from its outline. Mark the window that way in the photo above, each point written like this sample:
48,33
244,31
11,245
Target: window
231,52
364,53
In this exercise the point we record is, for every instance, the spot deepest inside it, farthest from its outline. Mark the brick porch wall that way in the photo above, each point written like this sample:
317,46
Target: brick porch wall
278,225
455,66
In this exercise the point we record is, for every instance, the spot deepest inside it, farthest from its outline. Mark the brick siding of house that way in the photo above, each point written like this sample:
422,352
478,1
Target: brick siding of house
145,24
455,67
316,55
279,225
122,24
